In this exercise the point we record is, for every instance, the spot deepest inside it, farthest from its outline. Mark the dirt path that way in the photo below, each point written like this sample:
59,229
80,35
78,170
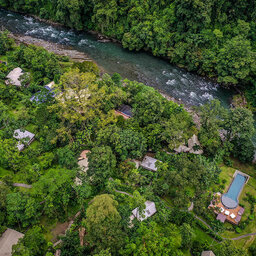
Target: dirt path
22,185
241,237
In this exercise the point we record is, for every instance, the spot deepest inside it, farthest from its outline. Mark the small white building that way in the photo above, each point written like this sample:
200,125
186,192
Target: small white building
9,238
149,211
14,77
149,163
25,138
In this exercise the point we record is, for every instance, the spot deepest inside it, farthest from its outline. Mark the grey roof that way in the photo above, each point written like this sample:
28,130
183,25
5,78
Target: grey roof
126,109
207,253
147,212
9,238
14,77
149,163
23,135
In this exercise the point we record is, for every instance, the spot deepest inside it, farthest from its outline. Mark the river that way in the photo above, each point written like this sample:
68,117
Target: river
187,87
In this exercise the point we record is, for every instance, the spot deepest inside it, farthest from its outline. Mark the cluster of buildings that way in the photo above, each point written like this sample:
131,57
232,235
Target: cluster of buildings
15,77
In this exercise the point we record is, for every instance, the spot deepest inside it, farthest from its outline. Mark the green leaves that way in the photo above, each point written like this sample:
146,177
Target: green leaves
103,224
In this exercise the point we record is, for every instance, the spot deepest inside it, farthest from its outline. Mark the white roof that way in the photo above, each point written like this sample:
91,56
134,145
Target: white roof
149,163
9,238
23,135
147,212
14,77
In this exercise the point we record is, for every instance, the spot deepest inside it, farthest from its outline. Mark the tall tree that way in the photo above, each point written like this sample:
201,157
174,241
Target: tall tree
103,224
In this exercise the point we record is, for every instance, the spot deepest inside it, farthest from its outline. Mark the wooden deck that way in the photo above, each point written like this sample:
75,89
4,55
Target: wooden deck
234,211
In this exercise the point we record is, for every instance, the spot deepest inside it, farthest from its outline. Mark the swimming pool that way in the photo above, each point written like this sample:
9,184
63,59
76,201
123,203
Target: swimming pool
230,199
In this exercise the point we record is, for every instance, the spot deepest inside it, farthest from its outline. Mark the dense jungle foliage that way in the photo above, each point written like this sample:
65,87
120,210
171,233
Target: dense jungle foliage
213,37
81,117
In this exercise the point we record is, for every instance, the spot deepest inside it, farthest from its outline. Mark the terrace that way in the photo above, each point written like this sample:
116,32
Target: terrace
233,216
227,206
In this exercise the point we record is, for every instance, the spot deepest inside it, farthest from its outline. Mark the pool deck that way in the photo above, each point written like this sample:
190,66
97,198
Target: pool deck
228,218
216,204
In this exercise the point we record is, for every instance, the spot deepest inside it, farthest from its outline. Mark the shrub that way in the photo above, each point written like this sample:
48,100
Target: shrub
238,230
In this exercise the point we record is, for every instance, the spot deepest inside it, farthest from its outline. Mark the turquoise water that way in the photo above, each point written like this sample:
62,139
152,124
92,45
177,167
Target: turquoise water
143,67
236,186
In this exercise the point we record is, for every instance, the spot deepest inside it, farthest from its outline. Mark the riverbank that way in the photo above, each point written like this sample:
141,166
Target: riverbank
55,48
77,56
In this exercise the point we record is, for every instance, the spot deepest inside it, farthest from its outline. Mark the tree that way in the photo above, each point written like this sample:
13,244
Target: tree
10,157
71,244
66,157
102,163
80,102
239,123
177,129
22,209
103,253
212,117
87,66
55,189
236,61
187,234
243,149
154,240
103,224
33,243
6,43
129,144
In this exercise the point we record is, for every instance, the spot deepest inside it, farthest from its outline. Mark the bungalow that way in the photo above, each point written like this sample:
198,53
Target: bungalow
149,211
149,163
24,137
125,111
14,77
9,238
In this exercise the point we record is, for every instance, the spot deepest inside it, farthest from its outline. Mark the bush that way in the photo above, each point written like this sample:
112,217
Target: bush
238,230
87,66
228,162
251,217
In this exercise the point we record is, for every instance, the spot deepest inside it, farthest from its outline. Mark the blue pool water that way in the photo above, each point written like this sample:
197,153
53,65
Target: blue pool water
235,187
230,199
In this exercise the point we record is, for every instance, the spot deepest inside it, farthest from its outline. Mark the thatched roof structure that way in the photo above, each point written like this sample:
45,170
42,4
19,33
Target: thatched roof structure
9,238
14,77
